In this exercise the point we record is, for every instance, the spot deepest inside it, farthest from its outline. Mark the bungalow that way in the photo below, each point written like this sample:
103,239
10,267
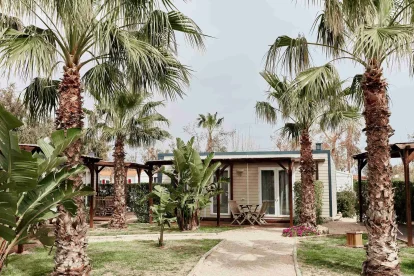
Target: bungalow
256,177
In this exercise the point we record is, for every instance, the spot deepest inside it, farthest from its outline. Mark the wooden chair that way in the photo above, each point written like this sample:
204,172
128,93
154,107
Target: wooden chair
259,216
109,205
239,216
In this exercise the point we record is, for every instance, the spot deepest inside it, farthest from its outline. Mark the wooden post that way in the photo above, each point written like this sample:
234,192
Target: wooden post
317,171
360,188
290,176
218,197
92,197
139,175
150,176
406,163
231,186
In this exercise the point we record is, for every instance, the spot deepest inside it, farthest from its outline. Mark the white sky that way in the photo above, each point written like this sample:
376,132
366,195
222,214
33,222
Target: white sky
226,77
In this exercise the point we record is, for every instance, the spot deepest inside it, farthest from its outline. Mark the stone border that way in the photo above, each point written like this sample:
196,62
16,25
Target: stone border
295,259
202,259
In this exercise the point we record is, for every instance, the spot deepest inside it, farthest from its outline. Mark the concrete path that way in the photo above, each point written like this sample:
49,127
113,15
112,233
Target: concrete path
243,252
250,251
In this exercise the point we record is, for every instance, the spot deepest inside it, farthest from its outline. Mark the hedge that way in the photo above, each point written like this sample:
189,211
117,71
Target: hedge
399,199
346,201
318,198
135,193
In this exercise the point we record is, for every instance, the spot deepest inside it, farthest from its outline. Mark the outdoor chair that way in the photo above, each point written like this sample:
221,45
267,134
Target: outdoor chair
109,205
239,216
259,216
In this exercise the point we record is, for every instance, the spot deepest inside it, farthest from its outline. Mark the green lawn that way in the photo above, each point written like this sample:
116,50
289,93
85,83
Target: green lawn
329,254
146,228
121,258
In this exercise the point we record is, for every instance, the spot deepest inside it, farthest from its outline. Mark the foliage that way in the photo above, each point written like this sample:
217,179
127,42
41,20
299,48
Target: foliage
31,130
134,40
399,199
210,122
161,212
31,186
191,178
346,201
297,191
299,231
133,117
93,140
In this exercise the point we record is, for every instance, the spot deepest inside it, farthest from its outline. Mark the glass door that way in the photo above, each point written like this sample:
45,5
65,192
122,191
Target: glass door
224,197
283,194
267,177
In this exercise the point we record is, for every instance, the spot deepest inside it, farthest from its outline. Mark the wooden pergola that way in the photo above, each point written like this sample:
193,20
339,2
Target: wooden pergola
286,163
402,150
96,165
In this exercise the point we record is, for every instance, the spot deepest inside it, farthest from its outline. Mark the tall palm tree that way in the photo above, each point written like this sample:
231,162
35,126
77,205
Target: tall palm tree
129,119
303,108
210,122
113,36
370,33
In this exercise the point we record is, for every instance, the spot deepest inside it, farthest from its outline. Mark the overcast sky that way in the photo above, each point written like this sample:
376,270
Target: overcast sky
226,76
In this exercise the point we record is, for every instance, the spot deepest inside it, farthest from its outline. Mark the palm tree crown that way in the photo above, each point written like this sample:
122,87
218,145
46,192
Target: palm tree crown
211,123
133,117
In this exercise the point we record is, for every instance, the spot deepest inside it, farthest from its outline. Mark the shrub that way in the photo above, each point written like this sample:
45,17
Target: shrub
399,199
318,200
299,231
346,201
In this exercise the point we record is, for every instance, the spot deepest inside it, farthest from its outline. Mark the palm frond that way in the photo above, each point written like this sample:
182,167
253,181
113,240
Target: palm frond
338,116
266,112
333,37
294,58
28,52
41,98
292,131
104,80
317,83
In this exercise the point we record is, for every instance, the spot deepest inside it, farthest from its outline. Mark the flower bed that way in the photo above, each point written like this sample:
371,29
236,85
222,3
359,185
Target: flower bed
299,231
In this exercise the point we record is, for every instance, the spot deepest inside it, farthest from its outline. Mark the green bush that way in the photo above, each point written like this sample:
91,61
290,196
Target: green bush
135,193
346,201
318,198
399,199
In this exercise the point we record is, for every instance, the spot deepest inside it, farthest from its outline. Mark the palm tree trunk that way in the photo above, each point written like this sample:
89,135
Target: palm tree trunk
382,251
210,142
118,219
307,169
70,232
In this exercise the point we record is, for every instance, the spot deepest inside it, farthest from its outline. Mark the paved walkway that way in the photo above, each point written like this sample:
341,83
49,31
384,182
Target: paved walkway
244,252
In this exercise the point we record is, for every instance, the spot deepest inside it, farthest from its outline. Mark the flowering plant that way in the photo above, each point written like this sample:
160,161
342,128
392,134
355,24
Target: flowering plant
299,231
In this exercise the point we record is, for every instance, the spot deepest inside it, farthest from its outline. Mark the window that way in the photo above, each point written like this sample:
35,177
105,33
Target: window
224,197
107,181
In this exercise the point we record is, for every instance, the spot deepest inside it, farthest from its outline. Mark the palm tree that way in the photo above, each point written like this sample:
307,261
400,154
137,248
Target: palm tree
211,123
134,37
303,108
370,33
131,119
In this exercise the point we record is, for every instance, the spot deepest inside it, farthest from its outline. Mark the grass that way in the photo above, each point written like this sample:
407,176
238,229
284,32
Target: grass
146,228
121,258
329,254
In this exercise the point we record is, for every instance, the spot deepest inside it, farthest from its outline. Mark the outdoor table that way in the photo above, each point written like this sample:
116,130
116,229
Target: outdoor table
249,211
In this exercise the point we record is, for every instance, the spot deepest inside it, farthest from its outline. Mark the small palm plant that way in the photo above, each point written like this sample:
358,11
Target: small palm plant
161,213
132,119
33,185
192,178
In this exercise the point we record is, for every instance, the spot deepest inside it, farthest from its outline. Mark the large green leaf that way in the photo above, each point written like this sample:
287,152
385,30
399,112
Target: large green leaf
7,233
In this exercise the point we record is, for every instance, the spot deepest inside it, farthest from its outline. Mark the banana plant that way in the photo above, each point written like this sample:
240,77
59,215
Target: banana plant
33,185
161,213
194,188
